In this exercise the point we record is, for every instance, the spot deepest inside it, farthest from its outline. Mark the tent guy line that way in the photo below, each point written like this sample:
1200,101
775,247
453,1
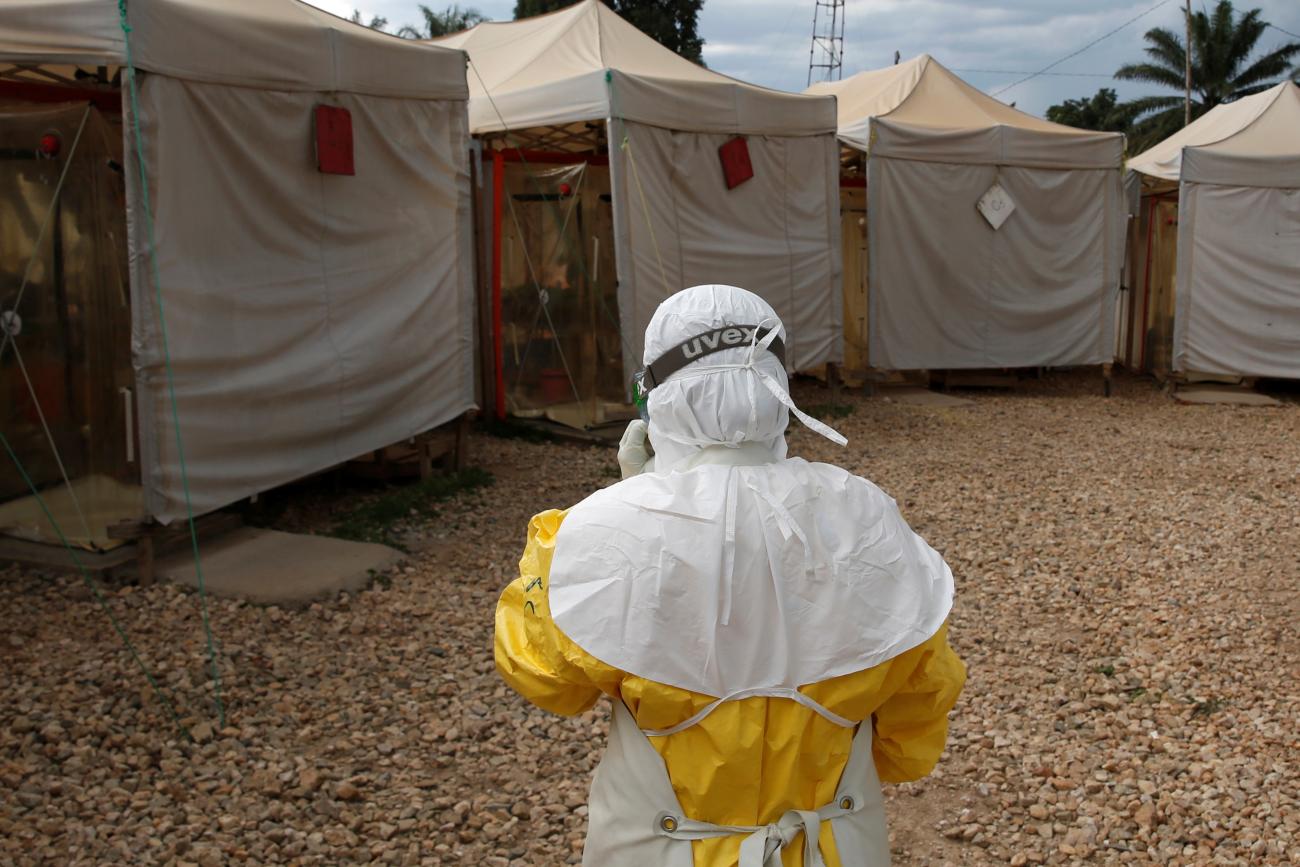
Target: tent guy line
133,92
1032,74
96,592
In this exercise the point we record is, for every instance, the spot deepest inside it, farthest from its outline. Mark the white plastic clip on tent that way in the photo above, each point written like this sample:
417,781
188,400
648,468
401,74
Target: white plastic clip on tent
311,317
1234,177
611,194
947,286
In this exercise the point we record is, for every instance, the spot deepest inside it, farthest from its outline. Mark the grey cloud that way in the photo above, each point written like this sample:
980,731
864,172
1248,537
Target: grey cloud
767,41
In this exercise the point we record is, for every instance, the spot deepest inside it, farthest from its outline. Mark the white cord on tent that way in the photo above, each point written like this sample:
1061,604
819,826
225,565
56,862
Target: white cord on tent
505,127
543,298
626,145
45,224
541,294
18,299
54,447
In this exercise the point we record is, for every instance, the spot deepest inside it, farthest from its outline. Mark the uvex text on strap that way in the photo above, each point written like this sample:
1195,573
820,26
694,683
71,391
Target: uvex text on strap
707,343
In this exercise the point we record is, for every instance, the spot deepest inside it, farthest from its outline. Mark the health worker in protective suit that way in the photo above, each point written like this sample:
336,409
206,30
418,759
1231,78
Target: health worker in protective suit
771,633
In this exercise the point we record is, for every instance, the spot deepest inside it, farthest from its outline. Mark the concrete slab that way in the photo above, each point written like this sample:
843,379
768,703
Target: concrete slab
1232,395
274,568
922,397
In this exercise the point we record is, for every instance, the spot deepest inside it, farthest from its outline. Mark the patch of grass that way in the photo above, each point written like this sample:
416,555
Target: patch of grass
1108,670
827,411
1208,707
513,430
377,519
1136,692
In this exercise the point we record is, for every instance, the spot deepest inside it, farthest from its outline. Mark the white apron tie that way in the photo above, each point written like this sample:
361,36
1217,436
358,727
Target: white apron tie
762,847
637,821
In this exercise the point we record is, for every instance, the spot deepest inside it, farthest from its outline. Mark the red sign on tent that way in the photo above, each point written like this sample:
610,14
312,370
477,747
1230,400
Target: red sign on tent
334,140
736,168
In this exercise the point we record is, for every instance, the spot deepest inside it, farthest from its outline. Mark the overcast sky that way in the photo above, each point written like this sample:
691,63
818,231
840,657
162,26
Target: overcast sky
767,41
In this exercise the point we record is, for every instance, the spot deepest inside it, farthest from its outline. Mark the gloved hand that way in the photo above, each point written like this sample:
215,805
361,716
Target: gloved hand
634,457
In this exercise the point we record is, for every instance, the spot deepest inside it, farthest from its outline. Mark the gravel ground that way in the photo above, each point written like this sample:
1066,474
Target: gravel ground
1127,598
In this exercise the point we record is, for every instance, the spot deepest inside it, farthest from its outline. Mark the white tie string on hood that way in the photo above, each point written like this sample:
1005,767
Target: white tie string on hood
716,401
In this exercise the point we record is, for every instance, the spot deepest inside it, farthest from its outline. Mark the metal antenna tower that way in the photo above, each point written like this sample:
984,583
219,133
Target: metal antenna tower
827,51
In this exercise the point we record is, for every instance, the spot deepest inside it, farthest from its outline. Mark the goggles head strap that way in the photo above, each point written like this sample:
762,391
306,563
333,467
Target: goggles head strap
697,347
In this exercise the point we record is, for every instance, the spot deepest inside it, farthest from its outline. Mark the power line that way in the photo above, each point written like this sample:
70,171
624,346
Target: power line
1281,30
1104,36
1027,72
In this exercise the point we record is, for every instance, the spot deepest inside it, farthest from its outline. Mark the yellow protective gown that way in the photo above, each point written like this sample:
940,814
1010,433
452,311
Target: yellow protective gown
749,761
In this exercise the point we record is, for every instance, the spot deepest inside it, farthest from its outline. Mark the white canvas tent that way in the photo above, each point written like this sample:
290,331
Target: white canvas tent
1237,284
945,288
583,80
310,317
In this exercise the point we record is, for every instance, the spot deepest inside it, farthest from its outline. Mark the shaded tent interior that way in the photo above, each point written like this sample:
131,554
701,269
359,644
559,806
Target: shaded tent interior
310,318
1214,255
606,193
929,283
1146,318
71,335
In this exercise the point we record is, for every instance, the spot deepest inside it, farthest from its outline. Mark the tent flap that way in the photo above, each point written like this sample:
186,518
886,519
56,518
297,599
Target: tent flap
311,318
777,234
996,145
718,107
1211,166
274,44
949,291
1238,299
77,32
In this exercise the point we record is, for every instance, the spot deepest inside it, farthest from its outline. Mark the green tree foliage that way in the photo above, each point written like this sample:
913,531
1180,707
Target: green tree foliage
529,8
671,23
1099,112
1224,67
453,19
377,22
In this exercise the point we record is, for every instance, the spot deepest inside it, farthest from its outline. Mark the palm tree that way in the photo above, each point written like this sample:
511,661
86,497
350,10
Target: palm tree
453,19
377,22
1222,70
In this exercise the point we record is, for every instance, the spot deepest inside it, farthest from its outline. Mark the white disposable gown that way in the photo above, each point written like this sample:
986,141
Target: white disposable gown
773,629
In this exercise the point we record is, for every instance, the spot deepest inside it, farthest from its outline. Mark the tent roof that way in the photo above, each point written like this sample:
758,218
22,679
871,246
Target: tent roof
551,70
1263,129
922,93
267,44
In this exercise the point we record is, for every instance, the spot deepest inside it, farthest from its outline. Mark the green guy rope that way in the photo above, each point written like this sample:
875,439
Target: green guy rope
95,591
133,91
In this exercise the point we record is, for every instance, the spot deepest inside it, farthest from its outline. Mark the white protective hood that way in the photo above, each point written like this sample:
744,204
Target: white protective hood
732,570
